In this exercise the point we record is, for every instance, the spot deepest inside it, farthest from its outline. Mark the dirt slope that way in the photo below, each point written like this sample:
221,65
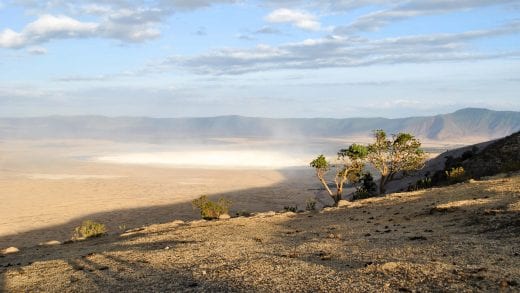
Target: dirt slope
462,238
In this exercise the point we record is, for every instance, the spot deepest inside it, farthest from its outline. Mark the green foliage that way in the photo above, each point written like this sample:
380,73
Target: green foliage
389,156
310,205
89,229
320,163
210,210
348,168
424,183
401,153
456,175
354,152
368,187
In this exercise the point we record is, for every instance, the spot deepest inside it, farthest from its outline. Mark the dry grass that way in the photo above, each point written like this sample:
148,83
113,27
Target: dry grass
462,238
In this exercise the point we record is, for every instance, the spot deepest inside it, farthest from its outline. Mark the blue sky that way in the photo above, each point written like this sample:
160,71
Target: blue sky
294,58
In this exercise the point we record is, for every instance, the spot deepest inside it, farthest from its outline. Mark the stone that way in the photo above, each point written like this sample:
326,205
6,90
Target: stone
224,217
390,266
50,243
266,214
10,250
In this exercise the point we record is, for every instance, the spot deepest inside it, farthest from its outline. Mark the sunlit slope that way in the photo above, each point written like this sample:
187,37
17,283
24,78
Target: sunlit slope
462,238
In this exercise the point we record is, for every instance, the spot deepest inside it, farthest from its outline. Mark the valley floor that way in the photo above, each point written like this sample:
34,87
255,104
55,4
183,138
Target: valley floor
462,238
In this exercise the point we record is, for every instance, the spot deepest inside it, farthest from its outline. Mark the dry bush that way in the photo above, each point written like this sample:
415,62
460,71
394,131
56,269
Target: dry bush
89,229
211,210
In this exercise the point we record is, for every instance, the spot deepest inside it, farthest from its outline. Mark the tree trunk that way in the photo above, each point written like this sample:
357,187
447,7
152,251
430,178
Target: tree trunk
326,186
382,184
337,198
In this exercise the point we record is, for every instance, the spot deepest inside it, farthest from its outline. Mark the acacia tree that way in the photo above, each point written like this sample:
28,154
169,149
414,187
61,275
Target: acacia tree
401,153
348,167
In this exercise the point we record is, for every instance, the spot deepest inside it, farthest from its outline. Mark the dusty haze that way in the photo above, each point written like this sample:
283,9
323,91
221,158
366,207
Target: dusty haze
49,186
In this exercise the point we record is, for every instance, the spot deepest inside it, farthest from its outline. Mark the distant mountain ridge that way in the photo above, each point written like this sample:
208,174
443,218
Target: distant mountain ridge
469,122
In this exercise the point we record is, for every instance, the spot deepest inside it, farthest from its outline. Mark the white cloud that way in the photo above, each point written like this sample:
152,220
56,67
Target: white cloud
50,25
298,18
194,4
11,39
126,21
408,9
94,8
45,28
125,25
268,31
37,50
337,51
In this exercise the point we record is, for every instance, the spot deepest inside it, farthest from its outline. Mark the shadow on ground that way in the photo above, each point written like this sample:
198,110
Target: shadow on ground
459,238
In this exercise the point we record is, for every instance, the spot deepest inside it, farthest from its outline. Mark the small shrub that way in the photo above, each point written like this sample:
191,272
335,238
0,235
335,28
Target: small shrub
367,189
210,210
424,183
293,209
310,205
456,174
89,229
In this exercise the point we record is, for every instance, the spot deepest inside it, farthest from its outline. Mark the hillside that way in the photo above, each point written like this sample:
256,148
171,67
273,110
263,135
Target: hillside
502,155
461,238
466,123
483,159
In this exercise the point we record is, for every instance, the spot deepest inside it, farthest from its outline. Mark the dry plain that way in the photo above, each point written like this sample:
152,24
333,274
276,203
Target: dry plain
47,187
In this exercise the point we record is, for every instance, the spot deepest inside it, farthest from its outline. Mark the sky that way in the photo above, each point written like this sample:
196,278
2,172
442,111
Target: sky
293,58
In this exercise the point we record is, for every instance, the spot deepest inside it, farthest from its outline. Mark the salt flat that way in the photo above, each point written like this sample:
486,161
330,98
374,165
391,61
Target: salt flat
48,187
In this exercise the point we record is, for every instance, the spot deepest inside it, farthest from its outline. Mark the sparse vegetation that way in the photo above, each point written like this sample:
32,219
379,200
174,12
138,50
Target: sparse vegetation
456,175
348,167
402,153
390,156
89,229
423,183
210,210
310,205
368,187
293,209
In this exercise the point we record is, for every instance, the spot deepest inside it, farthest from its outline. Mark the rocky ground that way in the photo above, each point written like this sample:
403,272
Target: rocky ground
462,238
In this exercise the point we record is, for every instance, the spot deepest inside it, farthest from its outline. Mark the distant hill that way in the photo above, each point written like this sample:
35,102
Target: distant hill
465,123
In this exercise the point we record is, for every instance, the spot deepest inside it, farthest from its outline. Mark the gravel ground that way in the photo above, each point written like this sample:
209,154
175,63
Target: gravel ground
462,238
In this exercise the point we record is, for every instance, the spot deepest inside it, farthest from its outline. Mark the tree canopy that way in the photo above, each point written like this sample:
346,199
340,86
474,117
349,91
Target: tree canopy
400,153
348,168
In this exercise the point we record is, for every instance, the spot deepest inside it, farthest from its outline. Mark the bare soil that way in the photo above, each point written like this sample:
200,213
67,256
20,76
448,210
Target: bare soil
461,238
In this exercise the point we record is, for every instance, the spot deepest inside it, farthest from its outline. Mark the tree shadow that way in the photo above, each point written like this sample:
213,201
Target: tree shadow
352,244
297,186
361,239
